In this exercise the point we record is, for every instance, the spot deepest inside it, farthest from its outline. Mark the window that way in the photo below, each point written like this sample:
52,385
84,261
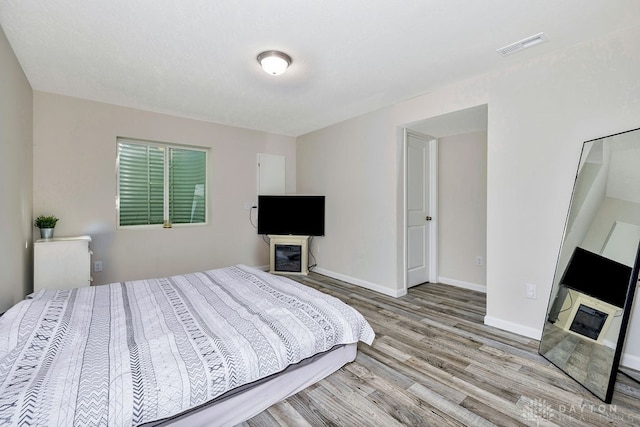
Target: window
160,184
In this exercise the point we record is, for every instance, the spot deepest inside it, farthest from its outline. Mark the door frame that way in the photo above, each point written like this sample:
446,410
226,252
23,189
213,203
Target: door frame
433,205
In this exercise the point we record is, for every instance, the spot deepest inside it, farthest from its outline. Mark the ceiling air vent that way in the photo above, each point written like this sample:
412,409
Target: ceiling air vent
522,44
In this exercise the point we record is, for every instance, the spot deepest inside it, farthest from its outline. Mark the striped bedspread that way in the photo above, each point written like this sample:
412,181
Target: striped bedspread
133,352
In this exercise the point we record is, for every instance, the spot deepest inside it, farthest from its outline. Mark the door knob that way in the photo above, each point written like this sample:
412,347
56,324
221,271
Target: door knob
428,218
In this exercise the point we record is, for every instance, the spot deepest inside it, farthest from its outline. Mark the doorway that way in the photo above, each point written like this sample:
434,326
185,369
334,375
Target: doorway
455,244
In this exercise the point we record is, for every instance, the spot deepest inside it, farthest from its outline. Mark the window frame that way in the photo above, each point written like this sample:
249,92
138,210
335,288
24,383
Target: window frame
165,146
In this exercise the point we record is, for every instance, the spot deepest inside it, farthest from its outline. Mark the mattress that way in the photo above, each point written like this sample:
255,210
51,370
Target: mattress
247,401
141,351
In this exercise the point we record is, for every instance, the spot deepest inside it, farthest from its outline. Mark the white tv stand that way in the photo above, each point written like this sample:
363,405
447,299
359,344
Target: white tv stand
288,254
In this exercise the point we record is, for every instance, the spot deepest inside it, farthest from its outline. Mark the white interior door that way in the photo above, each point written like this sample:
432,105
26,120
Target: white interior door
418,210
271,174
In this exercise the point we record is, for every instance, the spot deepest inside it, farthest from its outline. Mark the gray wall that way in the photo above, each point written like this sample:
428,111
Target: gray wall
74,178
540,111
462,209
16,137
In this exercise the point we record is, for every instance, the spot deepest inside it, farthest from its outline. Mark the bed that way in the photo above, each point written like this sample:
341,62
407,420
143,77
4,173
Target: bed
208,348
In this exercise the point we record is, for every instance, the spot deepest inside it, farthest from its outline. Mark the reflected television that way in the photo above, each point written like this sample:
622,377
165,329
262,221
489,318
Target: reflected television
597,276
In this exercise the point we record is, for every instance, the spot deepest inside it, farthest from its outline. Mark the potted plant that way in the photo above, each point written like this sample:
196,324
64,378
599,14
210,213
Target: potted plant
46,223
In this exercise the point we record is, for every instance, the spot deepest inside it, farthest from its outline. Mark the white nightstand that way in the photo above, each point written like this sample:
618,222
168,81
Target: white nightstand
62,263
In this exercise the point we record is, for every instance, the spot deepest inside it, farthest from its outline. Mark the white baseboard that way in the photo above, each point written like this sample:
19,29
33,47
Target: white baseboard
627,360
525,331
630,361
363,283
462,284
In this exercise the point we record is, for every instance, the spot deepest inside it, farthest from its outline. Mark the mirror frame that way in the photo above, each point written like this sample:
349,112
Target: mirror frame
626,314
630,293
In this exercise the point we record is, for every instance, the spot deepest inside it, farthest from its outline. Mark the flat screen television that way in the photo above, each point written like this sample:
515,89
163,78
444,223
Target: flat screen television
597,276
298,215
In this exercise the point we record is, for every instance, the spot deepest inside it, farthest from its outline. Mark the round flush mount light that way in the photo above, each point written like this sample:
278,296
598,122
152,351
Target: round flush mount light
274,62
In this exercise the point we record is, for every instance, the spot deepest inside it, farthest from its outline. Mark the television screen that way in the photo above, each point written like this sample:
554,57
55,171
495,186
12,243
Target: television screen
597,276
291,215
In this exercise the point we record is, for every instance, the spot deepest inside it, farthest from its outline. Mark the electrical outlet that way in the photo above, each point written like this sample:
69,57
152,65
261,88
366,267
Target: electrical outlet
479,260
248,205
531,291
97,266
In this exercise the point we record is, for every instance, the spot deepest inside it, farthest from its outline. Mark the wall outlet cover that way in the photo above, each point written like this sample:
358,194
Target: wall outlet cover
531,291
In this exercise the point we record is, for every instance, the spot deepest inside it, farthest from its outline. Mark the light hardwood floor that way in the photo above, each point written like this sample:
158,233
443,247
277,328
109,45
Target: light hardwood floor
434,362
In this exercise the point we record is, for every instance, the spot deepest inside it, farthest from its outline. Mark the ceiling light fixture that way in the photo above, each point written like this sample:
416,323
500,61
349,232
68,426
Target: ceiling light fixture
274,62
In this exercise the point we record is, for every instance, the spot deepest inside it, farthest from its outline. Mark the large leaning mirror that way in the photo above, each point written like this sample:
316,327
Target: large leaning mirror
597,270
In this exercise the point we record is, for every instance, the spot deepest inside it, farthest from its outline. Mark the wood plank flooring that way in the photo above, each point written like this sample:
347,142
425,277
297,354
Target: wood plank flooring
434,363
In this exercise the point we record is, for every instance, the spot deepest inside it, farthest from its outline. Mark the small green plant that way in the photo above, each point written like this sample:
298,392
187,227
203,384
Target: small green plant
45,221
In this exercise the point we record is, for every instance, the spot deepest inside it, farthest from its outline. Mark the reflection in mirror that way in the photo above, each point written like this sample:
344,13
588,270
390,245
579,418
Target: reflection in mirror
597,269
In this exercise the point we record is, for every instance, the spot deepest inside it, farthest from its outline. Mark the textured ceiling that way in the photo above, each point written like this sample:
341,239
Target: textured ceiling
197,58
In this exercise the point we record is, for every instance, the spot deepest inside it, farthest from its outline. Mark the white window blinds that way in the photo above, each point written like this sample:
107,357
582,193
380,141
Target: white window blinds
160,184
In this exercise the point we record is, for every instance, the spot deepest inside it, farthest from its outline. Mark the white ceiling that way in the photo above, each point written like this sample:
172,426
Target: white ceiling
197,58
